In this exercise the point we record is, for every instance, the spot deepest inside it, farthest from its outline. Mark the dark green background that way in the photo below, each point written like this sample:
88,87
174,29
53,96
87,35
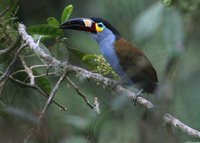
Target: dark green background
163,33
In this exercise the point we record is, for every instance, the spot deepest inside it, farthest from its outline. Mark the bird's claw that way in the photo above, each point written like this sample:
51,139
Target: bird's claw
138,94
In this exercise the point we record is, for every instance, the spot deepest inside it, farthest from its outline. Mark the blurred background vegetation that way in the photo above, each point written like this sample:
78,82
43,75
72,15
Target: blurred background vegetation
167,31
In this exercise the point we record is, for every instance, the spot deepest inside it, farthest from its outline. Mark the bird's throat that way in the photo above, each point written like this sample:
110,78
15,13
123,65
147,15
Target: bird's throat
107,49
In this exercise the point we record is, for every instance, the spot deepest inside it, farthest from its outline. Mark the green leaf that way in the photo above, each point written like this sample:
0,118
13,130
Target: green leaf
4,58
89,60
89,57
167,2
148,22
44,84
22,76
60,52
45,29
78,54
66,13
45,49
43,37
53,21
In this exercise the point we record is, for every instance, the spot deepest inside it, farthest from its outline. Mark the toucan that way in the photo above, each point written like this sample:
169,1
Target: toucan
127,61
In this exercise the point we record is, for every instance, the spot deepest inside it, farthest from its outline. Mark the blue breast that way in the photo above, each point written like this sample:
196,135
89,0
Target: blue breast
108,51
106,40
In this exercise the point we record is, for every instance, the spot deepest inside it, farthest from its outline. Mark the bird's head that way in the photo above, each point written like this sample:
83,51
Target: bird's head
98,27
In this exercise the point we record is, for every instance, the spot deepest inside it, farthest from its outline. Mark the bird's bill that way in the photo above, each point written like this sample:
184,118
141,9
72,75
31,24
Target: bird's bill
82,24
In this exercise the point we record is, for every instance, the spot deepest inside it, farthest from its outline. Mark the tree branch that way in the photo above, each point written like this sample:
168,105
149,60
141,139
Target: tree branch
79,92
79,71
35,86
96,77
169,120
109,83
35,47
28,71
52,94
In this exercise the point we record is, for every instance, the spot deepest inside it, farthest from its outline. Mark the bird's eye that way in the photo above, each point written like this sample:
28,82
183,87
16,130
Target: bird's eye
100,25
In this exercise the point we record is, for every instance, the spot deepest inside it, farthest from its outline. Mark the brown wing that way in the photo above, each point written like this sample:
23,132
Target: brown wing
136,65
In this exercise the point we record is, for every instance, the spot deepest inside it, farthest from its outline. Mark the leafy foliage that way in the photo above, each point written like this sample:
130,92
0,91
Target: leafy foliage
167,2
98,64
45,84
53,22
51,29
66,13
45,29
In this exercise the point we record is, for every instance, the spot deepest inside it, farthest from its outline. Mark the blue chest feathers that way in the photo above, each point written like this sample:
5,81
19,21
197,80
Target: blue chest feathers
106,40
108,51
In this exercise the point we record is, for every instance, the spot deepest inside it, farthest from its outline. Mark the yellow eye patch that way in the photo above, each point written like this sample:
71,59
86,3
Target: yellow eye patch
99,27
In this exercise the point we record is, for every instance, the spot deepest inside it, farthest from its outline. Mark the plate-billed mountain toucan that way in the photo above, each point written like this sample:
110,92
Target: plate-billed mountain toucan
128,62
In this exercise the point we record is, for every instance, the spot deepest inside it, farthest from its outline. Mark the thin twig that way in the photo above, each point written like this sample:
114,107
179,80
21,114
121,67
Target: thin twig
6,9
8,70
28,71
180,125
16,72
96,105
43,75
45,94
62,108
38,66
20,82
2,84
32,67
12,46
51,96
80,92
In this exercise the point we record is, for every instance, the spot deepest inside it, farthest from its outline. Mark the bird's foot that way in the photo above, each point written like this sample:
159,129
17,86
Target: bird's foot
138,94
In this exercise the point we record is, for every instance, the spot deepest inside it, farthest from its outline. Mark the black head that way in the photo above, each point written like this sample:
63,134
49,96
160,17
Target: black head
107,24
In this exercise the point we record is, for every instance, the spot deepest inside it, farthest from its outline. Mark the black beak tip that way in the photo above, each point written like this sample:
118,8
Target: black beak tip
63,25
